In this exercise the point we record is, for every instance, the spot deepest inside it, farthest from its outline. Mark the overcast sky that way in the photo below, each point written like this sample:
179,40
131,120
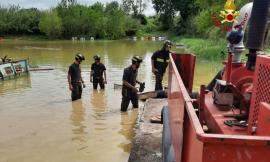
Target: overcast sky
45,4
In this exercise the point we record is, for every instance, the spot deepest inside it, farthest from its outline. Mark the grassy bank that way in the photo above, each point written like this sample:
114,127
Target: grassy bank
210,49
204,48
42,38
27,37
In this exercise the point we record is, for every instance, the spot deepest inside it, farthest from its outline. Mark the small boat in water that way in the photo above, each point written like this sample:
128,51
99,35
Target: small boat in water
10,69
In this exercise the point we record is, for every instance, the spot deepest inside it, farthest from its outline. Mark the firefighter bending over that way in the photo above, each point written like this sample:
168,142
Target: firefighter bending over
129,91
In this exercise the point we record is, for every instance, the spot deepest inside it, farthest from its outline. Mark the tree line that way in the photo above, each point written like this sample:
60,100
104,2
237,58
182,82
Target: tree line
191,17
114,20
68,19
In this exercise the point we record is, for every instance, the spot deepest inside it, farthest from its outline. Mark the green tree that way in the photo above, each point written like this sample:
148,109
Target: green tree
98,23
131,26
202,21
70,19
28,20
51,24
67,3
115,21
135,7
111,7
14,20
3,21
166,10
187,9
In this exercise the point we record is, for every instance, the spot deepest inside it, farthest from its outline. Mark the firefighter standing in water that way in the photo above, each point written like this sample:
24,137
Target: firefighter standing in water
129,91
75,80
160,60
98,70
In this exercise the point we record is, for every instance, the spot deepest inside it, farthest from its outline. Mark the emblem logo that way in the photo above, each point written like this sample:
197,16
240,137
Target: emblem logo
228,16
229,13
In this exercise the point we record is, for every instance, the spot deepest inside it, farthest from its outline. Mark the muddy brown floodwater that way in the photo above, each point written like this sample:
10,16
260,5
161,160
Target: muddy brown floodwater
39,123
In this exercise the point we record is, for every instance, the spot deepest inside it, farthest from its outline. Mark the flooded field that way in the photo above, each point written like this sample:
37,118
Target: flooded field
39,123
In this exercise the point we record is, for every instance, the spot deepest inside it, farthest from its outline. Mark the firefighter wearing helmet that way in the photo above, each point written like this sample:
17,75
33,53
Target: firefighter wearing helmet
98,73
75,79
129,91
160,60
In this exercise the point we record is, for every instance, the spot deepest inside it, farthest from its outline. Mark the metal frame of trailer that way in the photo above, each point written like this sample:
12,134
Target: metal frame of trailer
187,140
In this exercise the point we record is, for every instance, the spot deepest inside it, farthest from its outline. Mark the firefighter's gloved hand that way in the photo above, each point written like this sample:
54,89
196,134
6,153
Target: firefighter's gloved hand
83,85
70,87
135,90
91,80
154,71
142,86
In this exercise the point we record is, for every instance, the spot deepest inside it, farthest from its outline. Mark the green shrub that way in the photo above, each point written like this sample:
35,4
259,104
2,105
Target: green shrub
131,26
214,33
115,26
205,48
203,22
51,24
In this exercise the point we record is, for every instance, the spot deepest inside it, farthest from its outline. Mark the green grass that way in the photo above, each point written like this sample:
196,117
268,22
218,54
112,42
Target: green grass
204,48
27,37
142,33
207,48
267,50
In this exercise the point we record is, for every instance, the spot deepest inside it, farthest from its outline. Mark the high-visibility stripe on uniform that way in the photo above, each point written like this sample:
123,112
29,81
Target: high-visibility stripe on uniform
160,60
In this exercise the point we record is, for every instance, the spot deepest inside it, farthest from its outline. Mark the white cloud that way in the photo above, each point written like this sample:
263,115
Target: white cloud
150,11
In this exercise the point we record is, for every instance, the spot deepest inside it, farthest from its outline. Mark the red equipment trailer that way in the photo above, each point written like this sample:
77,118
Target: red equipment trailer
229,122
222,143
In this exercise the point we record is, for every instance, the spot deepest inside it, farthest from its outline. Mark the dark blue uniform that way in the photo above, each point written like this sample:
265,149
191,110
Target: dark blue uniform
130,75
161,60
98,70
76,82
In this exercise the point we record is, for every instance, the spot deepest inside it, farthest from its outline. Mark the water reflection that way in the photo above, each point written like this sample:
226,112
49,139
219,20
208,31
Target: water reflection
77,118
94,123
98,100
15,85
117,51
128,119
99,105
